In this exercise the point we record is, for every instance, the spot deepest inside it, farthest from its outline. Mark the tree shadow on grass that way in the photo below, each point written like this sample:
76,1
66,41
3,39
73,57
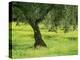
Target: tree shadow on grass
72,38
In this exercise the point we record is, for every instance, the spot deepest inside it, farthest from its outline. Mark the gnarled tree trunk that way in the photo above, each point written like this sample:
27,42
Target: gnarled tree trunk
37,35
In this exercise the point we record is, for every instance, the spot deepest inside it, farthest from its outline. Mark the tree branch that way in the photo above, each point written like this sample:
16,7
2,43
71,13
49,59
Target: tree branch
43,16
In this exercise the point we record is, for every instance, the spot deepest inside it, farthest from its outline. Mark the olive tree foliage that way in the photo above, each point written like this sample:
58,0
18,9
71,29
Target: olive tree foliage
33,13
17,15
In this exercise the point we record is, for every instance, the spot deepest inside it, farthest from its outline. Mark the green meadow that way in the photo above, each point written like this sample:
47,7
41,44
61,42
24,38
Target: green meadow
58,44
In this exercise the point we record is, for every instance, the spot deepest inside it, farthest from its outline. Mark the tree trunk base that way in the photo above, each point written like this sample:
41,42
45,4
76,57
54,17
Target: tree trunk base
39,44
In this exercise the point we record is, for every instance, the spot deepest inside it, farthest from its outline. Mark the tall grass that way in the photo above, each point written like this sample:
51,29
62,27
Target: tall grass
59,44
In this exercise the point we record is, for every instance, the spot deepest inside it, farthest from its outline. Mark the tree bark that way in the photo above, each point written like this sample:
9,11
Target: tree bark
38,37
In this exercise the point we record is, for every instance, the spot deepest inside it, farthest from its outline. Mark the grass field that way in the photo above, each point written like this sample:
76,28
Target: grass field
59,44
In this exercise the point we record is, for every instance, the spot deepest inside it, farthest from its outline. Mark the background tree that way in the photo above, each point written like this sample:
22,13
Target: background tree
70,17
62,17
